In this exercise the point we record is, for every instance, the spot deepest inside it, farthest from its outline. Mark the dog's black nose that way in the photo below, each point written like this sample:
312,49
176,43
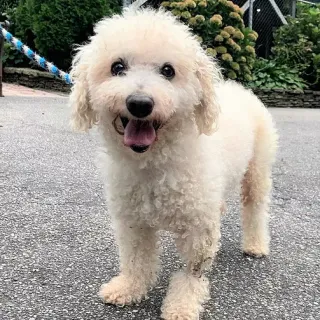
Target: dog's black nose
139,106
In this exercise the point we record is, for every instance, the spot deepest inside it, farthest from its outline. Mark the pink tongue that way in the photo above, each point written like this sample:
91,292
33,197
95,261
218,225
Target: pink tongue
139,133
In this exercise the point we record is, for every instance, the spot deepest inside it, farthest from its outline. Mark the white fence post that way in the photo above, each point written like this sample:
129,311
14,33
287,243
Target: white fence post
126,3
293,8
251,13
136,4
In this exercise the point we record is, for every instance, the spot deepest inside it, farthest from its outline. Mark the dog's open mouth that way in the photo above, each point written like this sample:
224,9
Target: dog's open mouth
139,134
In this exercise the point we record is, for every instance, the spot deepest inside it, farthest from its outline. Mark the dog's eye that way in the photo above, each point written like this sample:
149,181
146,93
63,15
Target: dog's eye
167,71
118,68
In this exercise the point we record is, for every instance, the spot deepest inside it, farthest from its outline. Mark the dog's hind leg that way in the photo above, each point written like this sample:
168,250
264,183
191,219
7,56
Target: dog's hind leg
256,186
138,250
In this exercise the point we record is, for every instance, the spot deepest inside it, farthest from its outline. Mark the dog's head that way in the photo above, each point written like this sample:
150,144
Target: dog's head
139,72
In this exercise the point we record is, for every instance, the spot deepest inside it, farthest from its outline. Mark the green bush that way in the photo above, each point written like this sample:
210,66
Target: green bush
220,27
7,4
270,75
115,6
52,27
297,44
12,57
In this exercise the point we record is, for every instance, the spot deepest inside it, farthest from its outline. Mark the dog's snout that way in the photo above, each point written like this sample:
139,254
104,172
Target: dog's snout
140,106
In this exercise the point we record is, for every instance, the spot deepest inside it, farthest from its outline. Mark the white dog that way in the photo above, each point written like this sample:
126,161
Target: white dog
178,138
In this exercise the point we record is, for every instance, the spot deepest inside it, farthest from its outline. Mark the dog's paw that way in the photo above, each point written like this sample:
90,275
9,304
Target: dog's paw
256,251
122,290
179,314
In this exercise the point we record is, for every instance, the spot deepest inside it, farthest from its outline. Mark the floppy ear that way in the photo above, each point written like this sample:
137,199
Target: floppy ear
206,113
83,116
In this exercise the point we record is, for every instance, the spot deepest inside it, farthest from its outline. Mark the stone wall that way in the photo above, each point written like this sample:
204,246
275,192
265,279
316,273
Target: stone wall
271,98
289,99
34,79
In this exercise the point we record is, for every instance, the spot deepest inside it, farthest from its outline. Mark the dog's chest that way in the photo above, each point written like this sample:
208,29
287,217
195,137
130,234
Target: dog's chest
163,199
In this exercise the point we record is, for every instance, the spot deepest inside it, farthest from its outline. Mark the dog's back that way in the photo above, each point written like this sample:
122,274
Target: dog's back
245,128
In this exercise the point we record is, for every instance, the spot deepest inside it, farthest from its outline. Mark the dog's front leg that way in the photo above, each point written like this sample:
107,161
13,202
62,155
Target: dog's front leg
138,265
189,289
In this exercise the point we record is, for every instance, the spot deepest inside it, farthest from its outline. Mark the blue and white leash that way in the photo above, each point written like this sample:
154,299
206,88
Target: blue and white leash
42,62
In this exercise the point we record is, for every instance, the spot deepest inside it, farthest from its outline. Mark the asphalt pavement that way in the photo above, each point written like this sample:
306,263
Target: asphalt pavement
56,245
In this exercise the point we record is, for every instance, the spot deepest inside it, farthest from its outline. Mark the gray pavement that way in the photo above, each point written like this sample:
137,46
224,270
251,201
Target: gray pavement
56,245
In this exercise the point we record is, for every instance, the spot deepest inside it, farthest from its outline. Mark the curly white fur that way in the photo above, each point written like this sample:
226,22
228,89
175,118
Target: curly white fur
215,137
